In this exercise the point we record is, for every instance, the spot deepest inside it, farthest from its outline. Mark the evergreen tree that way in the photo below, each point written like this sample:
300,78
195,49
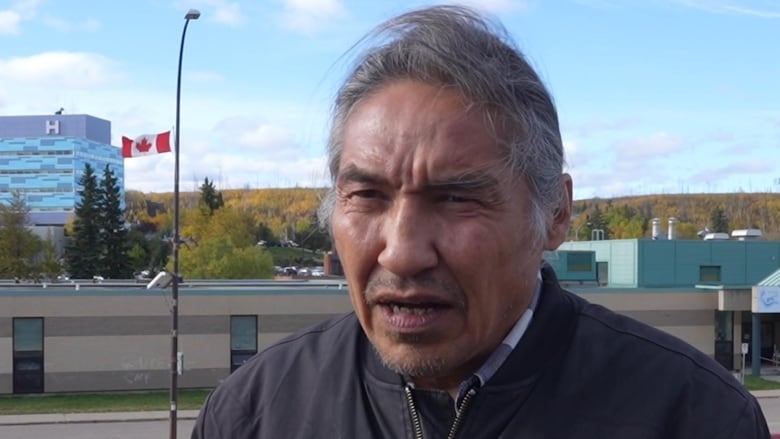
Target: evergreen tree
718,221
84,248
114,262
597,222
210,198
49,265
18,245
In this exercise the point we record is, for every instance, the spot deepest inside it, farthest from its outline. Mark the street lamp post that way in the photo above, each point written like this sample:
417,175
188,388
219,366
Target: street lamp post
192,14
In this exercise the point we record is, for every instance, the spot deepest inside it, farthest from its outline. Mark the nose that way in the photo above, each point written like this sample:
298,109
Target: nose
410,239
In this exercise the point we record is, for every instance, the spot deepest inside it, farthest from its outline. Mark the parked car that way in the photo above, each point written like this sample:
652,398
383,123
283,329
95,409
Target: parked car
143,275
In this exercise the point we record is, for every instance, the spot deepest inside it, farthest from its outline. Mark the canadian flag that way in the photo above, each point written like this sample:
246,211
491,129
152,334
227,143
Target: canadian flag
146,144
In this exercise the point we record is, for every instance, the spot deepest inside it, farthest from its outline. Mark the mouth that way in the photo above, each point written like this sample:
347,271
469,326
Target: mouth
413,308
403,316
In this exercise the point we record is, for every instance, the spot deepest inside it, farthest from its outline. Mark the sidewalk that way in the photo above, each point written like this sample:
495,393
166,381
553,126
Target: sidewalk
763,393
61,418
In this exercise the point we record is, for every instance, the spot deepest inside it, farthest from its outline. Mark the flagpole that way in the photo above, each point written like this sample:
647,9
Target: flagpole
192,14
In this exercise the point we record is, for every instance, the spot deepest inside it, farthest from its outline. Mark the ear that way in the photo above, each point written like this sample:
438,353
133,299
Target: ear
559,228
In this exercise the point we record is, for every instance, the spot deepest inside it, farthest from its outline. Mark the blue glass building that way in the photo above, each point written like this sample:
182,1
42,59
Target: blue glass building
43,158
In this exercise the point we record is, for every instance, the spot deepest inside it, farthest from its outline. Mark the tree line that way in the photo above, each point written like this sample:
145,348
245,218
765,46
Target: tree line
220,230
631,217
105,240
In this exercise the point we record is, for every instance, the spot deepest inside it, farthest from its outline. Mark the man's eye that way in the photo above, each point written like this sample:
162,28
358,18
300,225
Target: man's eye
451,198
367,193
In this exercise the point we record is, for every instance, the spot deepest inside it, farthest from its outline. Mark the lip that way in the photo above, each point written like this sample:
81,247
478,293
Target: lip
412,313
413,319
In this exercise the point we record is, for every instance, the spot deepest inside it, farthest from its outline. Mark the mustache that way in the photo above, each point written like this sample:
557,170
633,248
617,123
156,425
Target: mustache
442,285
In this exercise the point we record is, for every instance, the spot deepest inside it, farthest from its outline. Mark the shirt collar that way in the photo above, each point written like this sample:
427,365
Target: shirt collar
497,358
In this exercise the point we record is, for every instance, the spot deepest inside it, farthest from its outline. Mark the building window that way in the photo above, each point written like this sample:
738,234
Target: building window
724,335
28,355
579,262
243,340
709,274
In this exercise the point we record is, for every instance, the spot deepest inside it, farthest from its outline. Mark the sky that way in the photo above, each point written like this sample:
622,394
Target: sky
653,96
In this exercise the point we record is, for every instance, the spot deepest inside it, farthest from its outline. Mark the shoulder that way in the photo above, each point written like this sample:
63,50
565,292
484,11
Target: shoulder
616,330
675,383
620,364
621,336
313,347
291,367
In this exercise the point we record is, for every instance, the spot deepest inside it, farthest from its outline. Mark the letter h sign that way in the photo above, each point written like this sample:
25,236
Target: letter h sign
52,127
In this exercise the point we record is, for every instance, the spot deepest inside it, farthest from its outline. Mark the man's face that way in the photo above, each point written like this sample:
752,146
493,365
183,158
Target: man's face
433,232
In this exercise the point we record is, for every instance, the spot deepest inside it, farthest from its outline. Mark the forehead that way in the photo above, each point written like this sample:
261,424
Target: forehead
416,131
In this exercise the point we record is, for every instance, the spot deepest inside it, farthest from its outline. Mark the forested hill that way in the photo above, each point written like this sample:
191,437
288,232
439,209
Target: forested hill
629,217
280,213
286,210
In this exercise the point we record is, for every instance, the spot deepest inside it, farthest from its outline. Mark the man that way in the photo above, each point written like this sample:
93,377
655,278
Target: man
446,159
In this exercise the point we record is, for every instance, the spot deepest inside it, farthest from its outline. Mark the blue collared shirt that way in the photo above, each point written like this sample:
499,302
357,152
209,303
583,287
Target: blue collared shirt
497,358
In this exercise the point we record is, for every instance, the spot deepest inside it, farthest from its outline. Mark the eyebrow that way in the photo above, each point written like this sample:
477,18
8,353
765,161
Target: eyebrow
352,173
471,182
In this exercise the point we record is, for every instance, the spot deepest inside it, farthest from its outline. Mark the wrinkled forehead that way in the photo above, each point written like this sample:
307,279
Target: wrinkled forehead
414,127
421,108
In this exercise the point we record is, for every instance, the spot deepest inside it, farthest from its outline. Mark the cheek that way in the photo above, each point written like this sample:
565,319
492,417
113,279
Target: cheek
351,234
357,241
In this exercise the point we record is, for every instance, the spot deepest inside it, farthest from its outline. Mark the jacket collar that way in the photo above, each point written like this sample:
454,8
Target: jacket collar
545,340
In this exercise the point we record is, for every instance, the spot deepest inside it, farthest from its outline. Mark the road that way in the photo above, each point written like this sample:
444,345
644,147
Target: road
159,429
98,430
771,408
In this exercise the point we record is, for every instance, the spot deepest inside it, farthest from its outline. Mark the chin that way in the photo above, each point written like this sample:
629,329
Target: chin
413,363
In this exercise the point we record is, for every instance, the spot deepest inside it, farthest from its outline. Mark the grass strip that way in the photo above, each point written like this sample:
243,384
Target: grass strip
757,383
98,402
145,401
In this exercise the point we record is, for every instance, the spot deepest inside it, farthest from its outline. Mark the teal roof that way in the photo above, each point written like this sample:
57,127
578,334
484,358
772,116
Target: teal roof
773,280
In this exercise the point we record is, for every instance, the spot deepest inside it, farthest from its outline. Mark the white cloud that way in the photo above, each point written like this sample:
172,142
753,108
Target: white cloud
309,16
754,8
718,136
228,169
657,145
68,69
573,154
266,137
222,11
9,22
745,167
11,18
594,126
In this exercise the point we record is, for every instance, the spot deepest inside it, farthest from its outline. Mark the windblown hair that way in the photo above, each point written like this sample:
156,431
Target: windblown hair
453,46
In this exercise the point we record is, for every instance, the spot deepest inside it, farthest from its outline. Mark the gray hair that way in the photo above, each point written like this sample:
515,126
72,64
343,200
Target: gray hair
454,46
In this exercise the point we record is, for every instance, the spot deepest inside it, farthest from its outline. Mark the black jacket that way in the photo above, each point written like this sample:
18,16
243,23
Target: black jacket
580,371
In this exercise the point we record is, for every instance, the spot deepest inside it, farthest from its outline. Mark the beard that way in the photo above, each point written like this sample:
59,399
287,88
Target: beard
415,365
416,359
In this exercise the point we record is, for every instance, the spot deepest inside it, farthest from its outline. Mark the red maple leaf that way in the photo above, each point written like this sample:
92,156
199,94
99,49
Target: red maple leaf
144,145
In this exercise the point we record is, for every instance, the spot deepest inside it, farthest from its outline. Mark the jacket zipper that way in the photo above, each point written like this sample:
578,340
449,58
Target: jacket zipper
461,414
464,405
416,425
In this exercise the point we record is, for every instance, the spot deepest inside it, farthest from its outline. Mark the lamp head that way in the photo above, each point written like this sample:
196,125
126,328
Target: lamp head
192,14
